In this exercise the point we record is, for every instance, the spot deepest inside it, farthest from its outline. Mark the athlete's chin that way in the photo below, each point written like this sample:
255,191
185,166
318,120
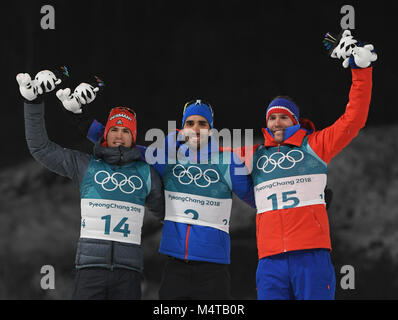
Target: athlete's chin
195,143
278,137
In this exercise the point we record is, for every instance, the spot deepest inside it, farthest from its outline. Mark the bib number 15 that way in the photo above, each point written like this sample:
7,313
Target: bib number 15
287,198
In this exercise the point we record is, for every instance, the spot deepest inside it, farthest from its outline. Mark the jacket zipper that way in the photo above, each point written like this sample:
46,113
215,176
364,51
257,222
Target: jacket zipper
186,242
283,234
280,215
121,157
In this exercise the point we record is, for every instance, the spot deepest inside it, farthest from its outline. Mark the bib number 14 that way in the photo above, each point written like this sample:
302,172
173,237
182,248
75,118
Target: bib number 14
287,198
121,227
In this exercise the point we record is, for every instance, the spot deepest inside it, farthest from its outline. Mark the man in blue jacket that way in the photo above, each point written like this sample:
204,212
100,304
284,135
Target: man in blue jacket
198,184
198,196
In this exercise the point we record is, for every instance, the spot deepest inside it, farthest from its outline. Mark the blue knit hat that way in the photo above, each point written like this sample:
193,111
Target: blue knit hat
198,107
286,106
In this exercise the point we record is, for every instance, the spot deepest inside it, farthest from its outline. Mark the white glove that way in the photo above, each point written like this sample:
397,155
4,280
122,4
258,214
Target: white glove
344,49
69,101
86,93
362,57
27,86
353,53
83,94
44,81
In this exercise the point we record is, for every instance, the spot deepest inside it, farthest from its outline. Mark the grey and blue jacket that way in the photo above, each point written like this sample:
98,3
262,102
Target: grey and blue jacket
115,188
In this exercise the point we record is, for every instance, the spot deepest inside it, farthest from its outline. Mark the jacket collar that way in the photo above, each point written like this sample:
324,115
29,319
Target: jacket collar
116,156
295,134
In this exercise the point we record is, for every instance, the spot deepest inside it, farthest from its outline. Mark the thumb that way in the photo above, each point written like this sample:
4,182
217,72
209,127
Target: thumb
23,78
60,94
346,33
369,47
67,92
19,78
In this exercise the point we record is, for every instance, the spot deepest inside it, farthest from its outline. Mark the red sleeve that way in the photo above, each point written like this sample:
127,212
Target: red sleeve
245,154
328,142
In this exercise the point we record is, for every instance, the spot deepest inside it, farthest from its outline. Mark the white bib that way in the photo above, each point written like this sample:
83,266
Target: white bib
290,192
198,210
111,220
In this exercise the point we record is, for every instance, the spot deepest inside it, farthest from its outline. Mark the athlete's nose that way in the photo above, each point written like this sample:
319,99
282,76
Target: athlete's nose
119,134
277,122
196,128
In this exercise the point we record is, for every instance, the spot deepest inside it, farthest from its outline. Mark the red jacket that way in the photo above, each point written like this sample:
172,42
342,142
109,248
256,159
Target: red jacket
307,227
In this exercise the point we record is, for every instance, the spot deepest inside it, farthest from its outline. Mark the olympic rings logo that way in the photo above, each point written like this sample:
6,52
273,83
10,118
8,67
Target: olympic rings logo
194,174
280,160
118,180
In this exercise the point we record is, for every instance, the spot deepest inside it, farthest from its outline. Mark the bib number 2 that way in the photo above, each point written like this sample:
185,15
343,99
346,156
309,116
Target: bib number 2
195,214
287,198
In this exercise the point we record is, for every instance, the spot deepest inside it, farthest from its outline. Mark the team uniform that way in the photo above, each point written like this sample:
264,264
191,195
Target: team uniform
198,199
195,234
115,187
289,178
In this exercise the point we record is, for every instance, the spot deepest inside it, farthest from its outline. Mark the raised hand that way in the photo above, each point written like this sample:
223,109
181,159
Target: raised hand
362,57
86,93
45,81
69,101
27,86
83,94
352,52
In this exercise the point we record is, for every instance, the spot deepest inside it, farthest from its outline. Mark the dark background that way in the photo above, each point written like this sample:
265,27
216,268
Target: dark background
156,55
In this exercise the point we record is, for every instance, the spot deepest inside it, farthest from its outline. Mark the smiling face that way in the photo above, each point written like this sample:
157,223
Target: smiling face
277,123
119,136
197,131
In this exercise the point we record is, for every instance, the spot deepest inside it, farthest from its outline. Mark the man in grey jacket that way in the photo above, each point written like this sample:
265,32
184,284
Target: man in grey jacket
115,187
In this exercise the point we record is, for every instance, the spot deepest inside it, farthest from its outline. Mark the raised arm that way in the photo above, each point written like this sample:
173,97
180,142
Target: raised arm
328,142
65,162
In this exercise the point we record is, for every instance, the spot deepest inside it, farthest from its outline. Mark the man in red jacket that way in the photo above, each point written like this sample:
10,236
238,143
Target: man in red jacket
289,172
